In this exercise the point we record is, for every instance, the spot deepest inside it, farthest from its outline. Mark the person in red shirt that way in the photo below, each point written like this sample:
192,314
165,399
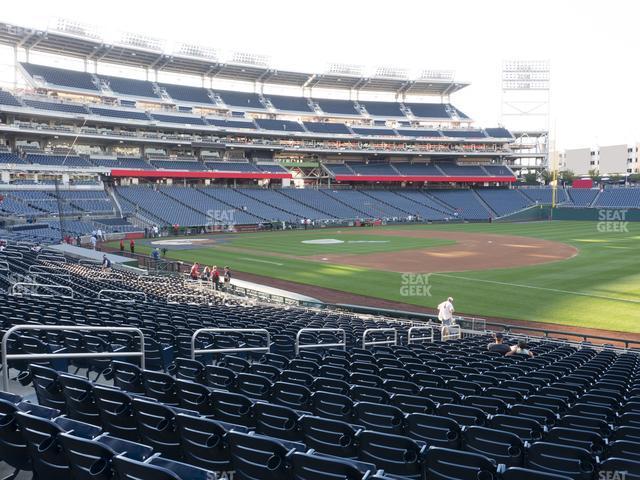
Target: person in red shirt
132,245
121,245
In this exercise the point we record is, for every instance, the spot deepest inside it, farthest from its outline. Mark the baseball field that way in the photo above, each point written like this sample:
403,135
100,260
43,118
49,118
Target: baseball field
581,274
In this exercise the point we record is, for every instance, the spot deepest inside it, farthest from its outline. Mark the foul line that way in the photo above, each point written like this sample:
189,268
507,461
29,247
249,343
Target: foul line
617,299
262,261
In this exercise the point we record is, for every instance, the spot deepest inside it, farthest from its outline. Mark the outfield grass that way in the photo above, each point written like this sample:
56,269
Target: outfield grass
598,288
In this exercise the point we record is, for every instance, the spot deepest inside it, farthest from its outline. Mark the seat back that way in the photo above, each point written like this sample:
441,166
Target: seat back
116,412
434,430
331,437
204,442
78,393
256,457
396,455
573,462
503,447
156,427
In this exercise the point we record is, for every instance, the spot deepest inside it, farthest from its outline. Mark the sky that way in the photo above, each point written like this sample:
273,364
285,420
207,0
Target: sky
592,45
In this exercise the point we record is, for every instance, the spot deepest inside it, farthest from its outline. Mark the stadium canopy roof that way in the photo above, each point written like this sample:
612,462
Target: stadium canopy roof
138,51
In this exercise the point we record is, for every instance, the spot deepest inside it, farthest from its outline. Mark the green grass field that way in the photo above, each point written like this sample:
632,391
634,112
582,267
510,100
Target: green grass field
598,288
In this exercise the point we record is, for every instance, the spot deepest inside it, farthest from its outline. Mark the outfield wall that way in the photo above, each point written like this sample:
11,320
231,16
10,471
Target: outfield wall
597,214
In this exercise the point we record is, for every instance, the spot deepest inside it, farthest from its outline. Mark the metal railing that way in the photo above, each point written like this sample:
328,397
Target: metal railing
27,293
369,331
125,300
195,351
204,299
411,338
50,356
454,331
321,345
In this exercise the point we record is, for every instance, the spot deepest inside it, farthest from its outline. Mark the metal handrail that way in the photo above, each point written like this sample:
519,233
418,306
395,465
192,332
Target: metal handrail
417,339
195,351
4,266
144,295
321,345
34,268
44,285
50,356
187,295
379,342
449,336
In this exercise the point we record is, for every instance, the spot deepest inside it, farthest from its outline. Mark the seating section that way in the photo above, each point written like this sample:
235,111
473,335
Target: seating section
464,133
374,132
372,168
498,132
290,104
178,119
382,109
241,99
225,123
429,110
464,203
544,195
582,197
337,107
186,93
60,160
618,197
279,125
503,201
128,114
61,77
406,132
432,410
327,128
129,86
58,107
7,98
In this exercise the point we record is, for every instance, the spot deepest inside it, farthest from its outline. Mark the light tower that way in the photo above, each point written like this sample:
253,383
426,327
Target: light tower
526,100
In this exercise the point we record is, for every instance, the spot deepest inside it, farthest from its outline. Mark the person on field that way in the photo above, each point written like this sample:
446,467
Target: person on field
498,345
121,245
445,315
521,349
132,246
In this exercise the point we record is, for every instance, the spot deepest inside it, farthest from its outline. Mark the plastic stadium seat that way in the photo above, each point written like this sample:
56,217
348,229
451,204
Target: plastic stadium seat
442,395
194,396
257,457
187,369
434,430
203,442
526,429
275,360
381,418
47,387
517,473
396,455
366,380
277,421
13,448
414,404
630,419
447,464
616,465
330,437
78,392
91,459
156,426
254,386
157,469
41,435
291,395
116,412
161,387
306,466
333,385
503,447
544,416
557,405
464,415
127,376
585,423
575,437
237,364
573,462
624,449
219,377
233,408
631,434
332,405
269,372
490,406
360,393
299,378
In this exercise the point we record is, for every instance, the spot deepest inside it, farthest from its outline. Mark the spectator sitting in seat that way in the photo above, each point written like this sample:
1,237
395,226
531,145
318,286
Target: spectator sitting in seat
521,349
498,345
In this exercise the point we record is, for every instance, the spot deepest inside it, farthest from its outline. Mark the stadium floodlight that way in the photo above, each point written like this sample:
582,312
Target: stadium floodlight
197,51
392,72
141,41
345,69
252,59
526,75
76,28
437,75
